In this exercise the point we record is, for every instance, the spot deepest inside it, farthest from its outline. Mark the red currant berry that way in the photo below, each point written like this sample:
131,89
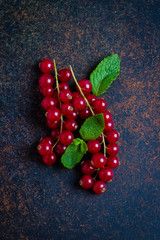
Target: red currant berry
47,91
94,146
105,174
100,105
100,138
64,75
107,116
63,86
55,96
53,124
44,148
87,168
112,136
112,162
60,148
48,102
99,187
86,182
85,113
85,86
48,140
65,96
55,133
98,160
46,66
72,115
108,126
91,99
46,80
66,108
66,137
53,114
49,159
112,149
75,95
70,125
79,104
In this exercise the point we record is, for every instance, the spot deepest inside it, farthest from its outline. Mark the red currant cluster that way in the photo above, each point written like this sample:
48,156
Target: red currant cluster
100,164
62,109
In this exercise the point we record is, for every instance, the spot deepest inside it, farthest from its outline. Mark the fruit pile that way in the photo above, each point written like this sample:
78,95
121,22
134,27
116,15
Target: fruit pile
97,136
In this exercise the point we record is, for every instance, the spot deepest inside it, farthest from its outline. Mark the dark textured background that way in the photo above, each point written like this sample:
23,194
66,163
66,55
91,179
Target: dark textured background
39,202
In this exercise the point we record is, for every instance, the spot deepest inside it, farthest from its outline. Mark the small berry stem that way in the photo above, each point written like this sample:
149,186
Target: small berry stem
96,174
57,86
81,91
56,76
104,145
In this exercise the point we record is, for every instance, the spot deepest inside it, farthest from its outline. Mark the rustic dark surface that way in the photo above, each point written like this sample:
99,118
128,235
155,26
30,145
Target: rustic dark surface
39,202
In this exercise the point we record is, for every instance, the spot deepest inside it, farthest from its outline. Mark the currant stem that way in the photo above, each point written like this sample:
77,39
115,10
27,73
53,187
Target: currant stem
81,91
104,145
56,75
57,86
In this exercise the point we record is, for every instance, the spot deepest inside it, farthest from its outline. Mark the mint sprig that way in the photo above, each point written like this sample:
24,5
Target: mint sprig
92,127
104,74
74,153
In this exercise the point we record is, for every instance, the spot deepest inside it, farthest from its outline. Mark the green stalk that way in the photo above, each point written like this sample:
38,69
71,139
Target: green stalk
104,145
57,87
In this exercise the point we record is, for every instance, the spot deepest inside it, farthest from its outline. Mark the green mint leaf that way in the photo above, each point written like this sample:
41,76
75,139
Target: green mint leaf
92,127
104,74
74,153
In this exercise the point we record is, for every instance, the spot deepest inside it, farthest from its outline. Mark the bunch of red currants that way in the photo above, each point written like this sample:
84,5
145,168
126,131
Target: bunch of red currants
62,108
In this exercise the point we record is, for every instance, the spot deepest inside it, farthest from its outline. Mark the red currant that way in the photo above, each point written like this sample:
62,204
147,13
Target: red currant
55,133
75,95
64,75
53,124
53,114
100,105
70,125
55,96
44,148
85,86
91,99
47,91
99,187
79,104
65,96
49,159
107,116
112,136
48,102
94,146
105,174
112,162
46,80
48,140
98,160
60,148
86,182
112,149
72,115
108,126
85,113
87,168
46,66
66,137
100,138
63,86
66,108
